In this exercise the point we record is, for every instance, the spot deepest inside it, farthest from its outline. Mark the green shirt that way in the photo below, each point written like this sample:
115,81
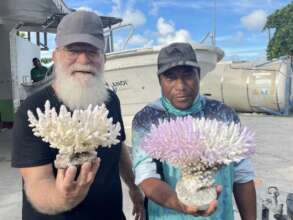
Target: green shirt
38,73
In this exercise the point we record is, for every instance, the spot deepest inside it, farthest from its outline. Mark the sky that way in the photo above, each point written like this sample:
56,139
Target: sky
239,23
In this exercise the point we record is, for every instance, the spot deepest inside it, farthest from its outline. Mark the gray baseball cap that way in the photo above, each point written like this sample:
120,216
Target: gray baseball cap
176,54
80,27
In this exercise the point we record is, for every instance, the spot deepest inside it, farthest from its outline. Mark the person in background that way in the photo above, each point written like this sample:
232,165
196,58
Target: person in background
38,72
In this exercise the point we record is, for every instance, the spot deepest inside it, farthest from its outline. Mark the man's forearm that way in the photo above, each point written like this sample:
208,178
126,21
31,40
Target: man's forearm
52,195
44,197
161,193
245,198
126,167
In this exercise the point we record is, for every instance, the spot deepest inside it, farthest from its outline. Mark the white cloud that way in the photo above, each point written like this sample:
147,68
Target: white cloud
154,8
240,7
86,8
223,38
128,13
180,36
237,37
164,28
119,44
243,7
150,43
138,40
198,5
168,34
255,20
116,8
135,17
251,53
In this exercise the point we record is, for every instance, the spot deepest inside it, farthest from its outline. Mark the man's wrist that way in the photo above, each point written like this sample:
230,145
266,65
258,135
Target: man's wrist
133,187
179,206
63,203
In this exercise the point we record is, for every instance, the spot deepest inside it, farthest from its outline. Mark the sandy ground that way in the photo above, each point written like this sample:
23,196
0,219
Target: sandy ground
273,164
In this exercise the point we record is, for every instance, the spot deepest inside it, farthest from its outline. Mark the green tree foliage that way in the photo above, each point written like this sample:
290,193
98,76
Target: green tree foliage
46,60
282,41
21,34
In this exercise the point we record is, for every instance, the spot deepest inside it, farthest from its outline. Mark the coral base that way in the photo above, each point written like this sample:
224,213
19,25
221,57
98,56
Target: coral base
65,160
189,192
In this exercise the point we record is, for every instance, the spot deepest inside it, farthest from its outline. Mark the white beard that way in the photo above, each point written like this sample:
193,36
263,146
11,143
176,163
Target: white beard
78,95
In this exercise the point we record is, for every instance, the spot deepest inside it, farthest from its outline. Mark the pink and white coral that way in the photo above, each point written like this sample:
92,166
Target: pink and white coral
82,131
186,141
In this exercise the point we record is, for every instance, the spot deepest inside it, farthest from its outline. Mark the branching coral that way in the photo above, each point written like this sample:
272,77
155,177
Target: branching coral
199,147
186,140
81,132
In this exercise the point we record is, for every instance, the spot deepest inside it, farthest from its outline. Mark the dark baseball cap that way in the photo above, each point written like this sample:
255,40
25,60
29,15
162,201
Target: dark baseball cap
80,27
176,54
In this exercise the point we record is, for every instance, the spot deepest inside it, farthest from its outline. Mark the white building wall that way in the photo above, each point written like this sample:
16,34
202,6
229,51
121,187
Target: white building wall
22,53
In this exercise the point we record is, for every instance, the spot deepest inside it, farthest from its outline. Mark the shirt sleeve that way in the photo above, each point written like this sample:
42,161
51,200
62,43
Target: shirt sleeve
243,171
119,116
143,165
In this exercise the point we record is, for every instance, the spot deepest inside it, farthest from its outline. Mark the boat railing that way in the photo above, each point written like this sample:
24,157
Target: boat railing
207,36
109,38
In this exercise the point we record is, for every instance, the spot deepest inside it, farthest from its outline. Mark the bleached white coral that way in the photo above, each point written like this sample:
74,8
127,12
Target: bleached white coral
82,131
199,147
187,140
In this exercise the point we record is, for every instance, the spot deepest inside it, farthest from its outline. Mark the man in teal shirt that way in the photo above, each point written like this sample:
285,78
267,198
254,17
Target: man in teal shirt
179,78
38,72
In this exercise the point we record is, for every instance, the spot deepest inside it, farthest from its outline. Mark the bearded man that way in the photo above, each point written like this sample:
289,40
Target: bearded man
94,193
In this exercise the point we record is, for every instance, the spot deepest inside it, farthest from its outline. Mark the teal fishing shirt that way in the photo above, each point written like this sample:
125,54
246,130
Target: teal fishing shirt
146,167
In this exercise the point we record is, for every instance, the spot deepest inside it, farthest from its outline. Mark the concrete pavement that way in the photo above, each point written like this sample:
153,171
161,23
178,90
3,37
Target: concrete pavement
273,164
